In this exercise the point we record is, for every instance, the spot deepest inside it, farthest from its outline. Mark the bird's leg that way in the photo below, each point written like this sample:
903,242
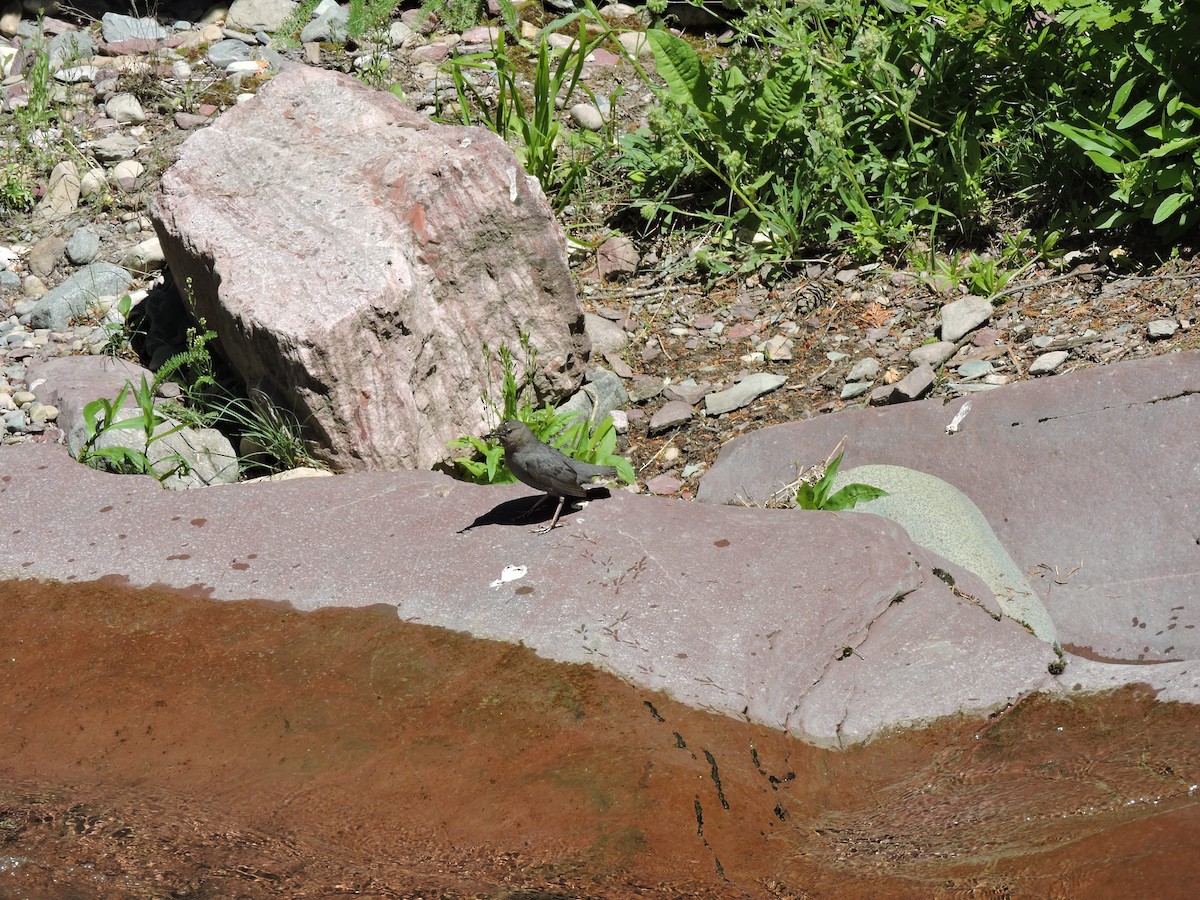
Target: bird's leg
536,506
553,522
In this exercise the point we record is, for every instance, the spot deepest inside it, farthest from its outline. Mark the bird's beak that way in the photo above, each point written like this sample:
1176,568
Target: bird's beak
490,436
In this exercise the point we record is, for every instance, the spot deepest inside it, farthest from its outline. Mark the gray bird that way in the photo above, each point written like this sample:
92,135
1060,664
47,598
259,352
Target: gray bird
545,468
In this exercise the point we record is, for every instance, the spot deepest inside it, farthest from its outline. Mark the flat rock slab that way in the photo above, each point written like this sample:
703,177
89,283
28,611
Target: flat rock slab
1090,481
832,627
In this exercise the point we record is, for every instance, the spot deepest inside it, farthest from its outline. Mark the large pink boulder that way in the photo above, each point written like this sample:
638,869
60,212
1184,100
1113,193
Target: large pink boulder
355,258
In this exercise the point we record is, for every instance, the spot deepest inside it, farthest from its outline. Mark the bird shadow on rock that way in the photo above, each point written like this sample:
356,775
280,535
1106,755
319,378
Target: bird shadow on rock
526,510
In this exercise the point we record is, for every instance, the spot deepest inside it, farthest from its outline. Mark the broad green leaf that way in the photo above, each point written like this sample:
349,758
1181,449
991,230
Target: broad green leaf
1170,206
853,494
781,96
805,497
1122,95
1179,145
1105,162
1093,139
1140,111
681,68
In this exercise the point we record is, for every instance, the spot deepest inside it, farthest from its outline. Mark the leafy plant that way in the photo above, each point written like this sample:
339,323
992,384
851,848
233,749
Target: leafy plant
858,123
571,433
817,496
455,15
366,16
531,127
274,433
118,341
193,366
291,27
36,111
16,193
102,417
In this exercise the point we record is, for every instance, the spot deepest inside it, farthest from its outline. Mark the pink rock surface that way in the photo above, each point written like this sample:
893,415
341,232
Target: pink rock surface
355,258
833,627
1089,480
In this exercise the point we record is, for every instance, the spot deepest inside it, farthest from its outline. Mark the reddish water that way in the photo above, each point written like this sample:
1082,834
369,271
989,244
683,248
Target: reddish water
156,745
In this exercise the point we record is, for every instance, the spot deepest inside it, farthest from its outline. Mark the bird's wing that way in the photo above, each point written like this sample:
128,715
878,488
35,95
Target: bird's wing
553,473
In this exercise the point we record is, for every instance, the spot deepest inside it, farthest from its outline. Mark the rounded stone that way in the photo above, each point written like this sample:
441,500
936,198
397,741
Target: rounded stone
42,413
83,246
93,183
125,108
587,116
975,368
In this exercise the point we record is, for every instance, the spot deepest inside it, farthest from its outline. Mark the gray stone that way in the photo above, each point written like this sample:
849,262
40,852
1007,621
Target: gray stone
975,368
259,15
410,244
742,393
330,26
606,337
941,518
62,195
70,47
635,43
76,74
688,391
113,148
46,254
124,108
864,370
181,458
126,173
645,387
672,414
1048,362
932,354
399,33
116,28
963,316
602,393
913,386
1091,519
587,116
14,421
224,53
42,413
93,183
855,389
77,294
83,246
1160,329
144,257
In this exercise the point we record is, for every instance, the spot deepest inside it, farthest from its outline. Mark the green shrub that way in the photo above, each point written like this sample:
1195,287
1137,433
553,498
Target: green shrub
569,432
863,123
1139,125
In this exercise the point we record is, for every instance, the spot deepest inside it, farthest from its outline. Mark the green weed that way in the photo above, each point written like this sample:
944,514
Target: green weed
102,417
817,496
483,463
531,127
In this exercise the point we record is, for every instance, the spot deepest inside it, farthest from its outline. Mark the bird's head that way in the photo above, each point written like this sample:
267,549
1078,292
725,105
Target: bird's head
511,433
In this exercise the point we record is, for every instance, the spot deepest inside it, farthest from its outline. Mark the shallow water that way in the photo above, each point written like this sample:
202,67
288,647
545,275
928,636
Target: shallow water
163,745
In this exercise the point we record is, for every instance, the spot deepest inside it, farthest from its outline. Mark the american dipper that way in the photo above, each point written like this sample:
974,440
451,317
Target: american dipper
544,467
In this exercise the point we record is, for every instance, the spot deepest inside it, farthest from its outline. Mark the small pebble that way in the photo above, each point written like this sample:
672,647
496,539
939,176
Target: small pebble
1048,362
